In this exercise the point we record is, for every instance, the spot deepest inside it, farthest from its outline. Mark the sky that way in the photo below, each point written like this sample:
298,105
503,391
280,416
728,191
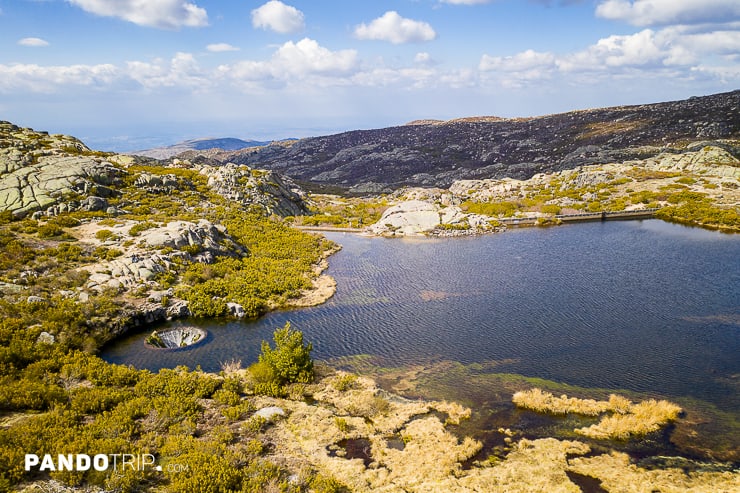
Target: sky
133,74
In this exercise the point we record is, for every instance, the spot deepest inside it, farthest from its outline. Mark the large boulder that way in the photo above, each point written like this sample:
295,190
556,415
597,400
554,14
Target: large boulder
44,183
416,217
408,218
178,234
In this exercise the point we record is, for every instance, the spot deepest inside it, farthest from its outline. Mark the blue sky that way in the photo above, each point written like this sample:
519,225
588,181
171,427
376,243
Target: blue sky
132,74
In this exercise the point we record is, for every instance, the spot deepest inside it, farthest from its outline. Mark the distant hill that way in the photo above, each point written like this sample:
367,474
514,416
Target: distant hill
227,144
436,153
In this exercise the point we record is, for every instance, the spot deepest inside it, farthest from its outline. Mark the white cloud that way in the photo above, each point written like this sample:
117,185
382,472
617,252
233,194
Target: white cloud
277,16
521,62
33,42
726,74
182,70
36,78
663,12
299,61
672,52
221,47
423,58
518,70
635,49
396,29
163,14
307,56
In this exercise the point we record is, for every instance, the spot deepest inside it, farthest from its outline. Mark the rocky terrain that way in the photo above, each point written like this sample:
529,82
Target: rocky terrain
433,153
226,144
38,170
275,193
136,220
704,180
51,174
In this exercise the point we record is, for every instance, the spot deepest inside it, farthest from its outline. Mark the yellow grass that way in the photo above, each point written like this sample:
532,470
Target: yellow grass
626,419
544,402
643,418
619,475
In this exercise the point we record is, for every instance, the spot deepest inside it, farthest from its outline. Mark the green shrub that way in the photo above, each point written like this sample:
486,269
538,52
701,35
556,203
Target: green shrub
206,473
26,394
95,400
291,359
254,425
551,209
235,413
326,484
138,228
342,424
49,230
504,208
104,234
270,389
226,397
178,381
345,382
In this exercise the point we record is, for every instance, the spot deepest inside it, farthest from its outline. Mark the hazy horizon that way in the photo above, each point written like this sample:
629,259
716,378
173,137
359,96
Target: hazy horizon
127,76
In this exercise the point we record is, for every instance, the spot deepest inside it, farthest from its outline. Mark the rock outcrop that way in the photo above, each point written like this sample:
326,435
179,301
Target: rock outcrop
38,170
274,193
49,180
141,262
416,217
48,175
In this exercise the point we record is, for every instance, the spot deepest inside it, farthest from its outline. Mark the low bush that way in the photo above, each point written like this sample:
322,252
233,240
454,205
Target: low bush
290,360
104,234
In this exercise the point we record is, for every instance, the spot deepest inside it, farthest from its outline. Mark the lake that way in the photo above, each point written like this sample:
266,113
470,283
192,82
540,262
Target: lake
644,306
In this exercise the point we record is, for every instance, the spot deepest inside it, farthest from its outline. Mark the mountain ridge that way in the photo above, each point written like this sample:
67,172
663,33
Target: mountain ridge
434,153
200,144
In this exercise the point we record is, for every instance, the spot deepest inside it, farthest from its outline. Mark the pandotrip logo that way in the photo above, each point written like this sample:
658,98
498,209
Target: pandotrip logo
83,462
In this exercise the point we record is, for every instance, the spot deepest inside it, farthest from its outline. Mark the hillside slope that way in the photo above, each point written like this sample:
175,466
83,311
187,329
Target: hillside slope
226,144
432,153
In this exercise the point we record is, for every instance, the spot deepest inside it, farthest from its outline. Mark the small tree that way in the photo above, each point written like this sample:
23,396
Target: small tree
291,359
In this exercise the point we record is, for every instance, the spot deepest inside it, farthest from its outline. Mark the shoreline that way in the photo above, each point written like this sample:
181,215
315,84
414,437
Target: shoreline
526,222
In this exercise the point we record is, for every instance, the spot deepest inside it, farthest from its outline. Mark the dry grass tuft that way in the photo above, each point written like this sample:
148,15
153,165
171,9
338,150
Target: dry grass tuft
231,367
627,419
455,412
618,474
544,402
643,418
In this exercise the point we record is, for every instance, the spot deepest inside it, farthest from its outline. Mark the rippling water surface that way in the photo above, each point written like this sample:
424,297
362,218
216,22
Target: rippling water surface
639,305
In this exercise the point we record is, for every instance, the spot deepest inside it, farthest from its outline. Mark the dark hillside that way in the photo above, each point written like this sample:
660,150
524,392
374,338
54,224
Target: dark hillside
431,153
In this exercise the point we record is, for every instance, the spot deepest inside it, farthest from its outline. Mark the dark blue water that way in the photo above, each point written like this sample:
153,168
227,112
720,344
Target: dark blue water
639,305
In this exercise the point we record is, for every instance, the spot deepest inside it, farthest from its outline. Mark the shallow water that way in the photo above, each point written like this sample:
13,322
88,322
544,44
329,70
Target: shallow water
641,305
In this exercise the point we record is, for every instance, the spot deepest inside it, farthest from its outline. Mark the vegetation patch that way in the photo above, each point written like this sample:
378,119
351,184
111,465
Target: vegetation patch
626,419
